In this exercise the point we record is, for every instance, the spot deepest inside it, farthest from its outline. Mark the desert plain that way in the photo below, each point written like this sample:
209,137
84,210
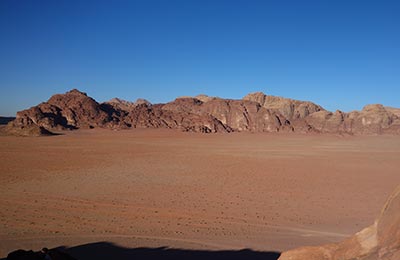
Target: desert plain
158,187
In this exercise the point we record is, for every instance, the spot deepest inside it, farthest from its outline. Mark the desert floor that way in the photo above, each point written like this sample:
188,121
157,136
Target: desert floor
152,188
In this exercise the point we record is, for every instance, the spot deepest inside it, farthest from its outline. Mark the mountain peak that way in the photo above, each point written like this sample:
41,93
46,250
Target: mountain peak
76,92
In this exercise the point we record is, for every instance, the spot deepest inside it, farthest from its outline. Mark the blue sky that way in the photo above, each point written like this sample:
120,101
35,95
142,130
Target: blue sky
339,54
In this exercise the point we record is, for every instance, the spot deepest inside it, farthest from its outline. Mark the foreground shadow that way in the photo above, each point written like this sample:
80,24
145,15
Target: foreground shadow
105,250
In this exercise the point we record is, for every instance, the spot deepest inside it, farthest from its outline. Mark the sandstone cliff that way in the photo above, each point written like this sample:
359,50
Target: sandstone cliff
256,112
126,105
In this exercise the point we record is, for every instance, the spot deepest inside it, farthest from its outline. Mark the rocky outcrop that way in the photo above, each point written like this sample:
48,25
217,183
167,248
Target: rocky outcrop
204,98
71,110
25,130
238,115
306,116
289,108
173,117
245,115
395,111
256,112
75,109
328,122
126,105
372,119
380,241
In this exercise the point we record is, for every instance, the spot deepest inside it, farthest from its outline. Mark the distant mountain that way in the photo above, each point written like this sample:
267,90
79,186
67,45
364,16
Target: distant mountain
256,112
5,120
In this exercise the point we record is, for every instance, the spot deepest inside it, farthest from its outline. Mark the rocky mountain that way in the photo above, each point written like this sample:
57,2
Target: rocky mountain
380,241
71,110
256,112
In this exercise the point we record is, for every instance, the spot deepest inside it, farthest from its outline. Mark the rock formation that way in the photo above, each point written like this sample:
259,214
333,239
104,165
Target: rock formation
393,110
307,116
372,119
380,241
204,98
256,112
126,105
71,110
26,130
289,108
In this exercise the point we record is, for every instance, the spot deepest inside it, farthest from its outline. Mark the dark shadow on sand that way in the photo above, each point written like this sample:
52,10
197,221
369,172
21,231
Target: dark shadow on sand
106,250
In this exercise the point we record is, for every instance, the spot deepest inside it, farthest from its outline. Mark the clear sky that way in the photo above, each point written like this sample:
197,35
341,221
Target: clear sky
339,54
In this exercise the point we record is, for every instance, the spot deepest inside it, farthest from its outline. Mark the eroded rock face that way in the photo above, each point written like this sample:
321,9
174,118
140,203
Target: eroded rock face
174,117
256,112
373,119
71,110
289,108
204,98
380,241
126,105
238,115
393,110
244,115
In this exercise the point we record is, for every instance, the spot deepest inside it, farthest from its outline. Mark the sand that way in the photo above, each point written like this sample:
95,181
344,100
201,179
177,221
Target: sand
151,188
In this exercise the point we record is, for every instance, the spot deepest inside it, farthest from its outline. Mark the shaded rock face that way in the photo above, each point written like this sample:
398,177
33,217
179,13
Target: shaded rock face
256,112
380,241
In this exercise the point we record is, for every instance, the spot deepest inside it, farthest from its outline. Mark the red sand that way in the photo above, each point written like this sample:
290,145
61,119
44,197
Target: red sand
165,188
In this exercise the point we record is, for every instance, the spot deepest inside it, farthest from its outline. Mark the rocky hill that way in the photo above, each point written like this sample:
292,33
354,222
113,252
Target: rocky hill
256,112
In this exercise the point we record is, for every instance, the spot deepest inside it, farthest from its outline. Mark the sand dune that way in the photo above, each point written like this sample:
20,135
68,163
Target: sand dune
155,188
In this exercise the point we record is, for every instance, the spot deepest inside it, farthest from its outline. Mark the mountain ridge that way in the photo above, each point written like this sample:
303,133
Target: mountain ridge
256,112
